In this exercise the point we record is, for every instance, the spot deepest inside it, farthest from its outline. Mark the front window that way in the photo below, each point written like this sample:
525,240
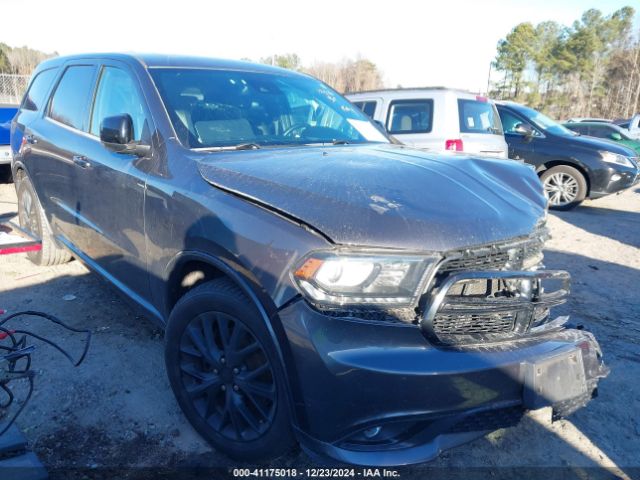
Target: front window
546,124
225,108
117,95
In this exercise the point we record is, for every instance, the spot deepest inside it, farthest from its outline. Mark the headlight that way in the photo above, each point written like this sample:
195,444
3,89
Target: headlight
336,278
616,158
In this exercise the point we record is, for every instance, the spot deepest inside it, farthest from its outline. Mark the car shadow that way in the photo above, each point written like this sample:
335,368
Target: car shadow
606,222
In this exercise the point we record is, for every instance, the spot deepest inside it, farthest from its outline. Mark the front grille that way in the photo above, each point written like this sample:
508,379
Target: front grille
469,261
512,255
489,420
391,315
452,324
491,292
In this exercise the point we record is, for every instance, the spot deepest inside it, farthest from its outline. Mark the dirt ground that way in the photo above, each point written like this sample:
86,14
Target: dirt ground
117,410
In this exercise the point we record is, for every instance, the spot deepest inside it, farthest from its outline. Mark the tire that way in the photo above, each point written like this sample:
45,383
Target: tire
565,187
32,218
243,411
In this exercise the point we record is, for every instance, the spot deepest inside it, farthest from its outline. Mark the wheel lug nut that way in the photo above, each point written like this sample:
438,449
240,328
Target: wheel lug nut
223,360
224,387
236,371
215,370
236,388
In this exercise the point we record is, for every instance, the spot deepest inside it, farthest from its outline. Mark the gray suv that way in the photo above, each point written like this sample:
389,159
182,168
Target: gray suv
317,283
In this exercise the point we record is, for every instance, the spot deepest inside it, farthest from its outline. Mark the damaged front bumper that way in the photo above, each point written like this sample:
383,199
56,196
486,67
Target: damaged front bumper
381,395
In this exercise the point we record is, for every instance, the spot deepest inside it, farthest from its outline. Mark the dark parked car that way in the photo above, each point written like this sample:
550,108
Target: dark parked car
318,284
570,166
608,131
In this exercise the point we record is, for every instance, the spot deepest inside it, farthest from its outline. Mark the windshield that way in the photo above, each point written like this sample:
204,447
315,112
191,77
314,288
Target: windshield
622,133
228,108
546,124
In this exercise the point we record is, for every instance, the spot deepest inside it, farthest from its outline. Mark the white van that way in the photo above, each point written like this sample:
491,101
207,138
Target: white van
437,119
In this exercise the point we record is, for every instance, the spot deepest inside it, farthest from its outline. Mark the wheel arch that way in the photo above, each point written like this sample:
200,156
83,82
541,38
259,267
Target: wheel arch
554,163
208,266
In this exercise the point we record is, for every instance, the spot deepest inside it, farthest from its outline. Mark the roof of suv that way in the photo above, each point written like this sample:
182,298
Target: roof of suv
411,90
165,60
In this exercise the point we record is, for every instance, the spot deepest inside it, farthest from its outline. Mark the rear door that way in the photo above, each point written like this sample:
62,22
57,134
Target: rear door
480,127
520,146
53,144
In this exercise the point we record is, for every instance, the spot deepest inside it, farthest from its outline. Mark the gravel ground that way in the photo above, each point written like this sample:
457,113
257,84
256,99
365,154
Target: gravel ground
117,410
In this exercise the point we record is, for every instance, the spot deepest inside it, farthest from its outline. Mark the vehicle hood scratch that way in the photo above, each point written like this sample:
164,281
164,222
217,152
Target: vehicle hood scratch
386,196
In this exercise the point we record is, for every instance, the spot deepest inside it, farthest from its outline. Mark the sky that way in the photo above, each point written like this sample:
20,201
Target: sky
414,43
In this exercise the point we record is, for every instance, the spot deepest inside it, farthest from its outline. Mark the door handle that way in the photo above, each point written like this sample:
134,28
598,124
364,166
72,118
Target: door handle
81,161
31,140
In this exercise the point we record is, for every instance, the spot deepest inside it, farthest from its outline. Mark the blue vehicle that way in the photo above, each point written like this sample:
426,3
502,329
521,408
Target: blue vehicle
7,112
317,284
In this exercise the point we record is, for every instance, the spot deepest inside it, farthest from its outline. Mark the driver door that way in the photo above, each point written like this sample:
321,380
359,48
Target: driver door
521,147
114,184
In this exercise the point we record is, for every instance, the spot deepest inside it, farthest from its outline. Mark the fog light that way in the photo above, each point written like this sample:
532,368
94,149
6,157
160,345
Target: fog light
615,177
372,432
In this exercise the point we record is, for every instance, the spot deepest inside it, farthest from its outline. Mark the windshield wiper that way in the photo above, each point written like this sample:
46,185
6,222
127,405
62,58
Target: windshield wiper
226,148
246,146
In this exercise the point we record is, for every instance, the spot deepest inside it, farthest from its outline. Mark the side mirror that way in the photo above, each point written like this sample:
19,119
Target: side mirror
116,130
524,129
616,136
117,134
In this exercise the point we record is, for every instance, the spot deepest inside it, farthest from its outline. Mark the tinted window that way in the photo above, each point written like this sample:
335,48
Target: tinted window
410,116
69,102
600,131
581,129
510,122
225,108
117,95
369,108
478,117
35,97
544,122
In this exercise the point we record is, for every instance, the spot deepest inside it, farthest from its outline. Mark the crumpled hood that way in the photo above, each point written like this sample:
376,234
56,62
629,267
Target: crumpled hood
386,196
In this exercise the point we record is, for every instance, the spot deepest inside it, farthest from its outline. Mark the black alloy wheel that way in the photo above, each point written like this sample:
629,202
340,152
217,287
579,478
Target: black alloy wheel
226,374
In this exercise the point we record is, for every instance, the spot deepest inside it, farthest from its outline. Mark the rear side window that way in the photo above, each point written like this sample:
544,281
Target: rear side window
369,108
70,100
410,116
35,96
478,117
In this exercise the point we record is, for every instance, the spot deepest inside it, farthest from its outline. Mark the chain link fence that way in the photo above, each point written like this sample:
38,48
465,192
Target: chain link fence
12,87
